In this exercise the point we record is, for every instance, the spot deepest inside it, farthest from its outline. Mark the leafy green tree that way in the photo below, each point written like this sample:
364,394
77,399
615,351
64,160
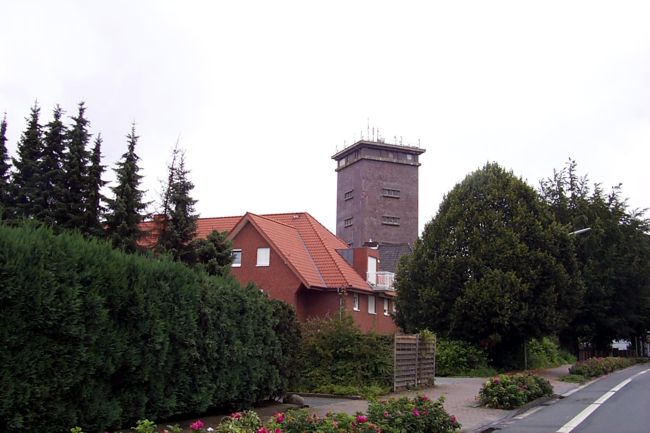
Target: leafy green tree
53,179
492,267
94,208
26,180
71,215
212,254
614,258
4,167
179,217
126,210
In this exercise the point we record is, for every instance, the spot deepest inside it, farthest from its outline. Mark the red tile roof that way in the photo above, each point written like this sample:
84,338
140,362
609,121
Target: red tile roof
307,247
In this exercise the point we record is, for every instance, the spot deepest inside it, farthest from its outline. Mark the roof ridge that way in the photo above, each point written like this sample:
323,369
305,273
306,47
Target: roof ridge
266,217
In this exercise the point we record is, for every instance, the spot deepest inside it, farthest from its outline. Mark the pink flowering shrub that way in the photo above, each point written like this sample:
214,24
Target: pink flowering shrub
418,415
511,391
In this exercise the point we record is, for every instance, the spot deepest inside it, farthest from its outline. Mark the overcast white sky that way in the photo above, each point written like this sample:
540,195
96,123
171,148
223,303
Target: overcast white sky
262,93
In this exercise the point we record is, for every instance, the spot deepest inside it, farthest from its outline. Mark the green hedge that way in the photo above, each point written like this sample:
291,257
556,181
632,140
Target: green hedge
91,336
459,358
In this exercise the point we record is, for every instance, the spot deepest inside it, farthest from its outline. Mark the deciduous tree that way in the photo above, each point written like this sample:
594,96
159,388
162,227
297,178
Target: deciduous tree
614,258
492,267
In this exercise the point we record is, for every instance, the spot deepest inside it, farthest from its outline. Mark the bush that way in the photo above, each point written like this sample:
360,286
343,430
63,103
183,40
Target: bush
594,367
335,352
417,415
128,337
458,358
546,353
512,391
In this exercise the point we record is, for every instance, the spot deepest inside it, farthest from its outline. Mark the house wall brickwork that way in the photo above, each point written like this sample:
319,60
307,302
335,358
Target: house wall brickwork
277,279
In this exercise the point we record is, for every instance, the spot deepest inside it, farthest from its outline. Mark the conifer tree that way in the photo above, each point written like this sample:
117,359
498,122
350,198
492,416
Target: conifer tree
94,208
4,167
179,224
75,165
25,188
53,179
126,209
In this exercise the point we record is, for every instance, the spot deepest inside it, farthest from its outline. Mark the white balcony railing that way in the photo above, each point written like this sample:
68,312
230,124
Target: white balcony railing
381,281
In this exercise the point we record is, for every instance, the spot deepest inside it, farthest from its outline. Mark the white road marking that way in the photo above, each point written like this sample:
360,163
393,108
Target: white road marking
575,422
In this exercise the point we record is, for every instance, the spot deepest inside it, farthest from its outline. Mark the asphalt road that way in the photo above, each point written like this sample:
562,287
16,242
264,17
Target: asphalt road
618,403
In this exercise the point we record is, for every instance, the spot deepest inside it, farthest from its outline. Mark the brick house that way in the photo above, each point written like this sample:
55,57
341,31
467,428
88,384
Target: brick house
294,258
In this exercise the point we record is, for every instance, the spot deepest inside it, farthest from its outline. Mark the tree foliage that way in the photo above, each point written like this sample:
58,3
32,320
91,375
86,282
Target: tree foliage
492,267
75,165
126,209
4,168
178,226
614,257
212,254
94,209
25,188
53,177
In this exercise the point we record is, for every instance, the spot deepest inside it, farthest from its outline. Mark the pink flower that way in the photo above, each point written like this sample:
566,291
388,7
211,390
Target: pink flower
424,397
236,415
453,419
361,419
279,417
262,430
386,414
416,412
496,381
197,425
277,430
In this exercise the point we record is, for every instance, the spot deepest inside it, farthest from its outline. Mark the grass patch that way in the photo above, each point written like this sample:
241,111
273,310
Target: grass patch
574,378
367,392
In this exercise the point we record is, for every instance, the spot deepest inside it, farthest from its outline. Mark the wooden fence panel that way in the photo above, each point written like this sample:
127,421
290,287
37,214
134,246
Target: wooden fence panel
415,362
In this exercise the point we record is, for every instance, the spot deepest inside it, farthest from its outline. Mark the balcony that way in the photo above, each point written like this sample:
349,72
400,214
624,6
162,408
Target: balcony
381,281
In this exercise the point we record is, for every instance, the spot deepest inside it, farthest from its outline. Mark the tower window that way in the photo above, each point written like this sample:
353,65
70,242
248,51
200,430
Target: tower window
390,220
347,222
393,193
348,195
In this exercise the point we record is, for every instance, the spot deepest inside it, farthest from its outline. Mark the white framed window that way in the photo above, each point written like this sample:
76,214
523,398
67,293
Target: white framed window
355,301
385,306
371,305
236,258
263,256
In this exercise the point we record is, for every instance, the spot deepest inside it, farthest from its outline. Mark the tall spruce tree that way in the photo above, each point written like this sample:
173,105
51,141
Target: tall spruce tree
179,223
25,188
4,168
53,179
94,207
125,211
75,165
